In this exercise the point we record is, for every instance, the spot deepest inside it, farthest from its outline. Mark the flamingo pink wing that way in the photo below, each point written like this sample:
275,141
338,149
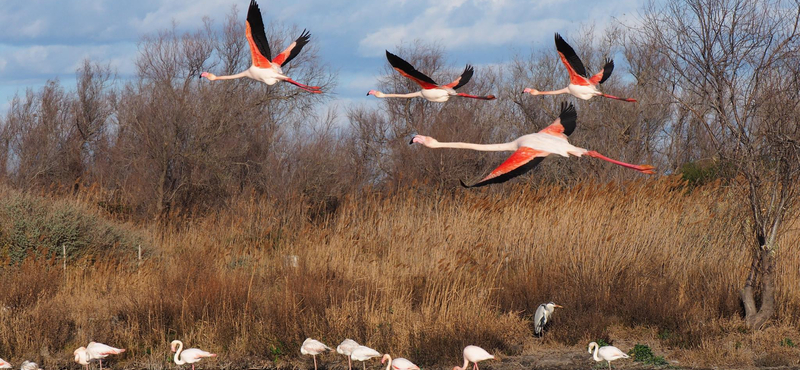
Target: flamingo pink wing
407,70
603,75
287,55
577,72
523,160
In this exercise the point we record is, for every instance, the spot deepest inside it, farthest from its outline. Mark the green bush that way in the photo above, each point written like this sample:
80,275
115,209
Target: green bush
643,353
42,226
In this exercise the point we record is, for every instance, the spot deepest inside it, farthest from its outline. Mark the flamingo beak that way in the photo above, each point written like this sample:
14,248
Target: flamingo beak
527,90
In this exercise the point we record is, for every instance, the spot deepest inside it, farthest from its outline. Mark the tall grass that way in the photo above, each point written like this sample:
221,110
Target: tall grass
412,273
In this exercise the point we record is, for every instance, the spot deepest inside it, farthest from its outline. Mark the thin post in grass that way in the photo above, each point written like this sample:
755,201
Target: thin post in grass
64,253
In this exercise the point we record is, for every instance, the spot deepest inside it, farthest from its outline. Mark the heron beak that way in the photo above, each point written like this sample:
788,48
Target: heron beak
559,306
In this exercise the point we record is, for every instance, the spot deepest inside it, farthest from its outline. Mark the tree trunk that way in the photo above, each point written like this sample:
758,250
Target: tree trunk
762,271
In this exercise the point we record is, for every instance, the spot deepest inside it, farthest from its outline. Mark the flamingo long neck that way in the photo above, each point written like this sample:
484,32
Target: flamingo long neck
388,362
246,73
466,362
554,92
504,147
177,359
409,95
594,355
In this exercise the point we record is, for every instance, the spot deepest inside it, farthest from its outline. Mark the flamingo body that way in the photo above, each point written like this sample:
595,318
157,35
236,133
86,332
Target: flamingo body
431,90
363,353
263,69
474,354
398,363
346,348
580,85
29,365
313,347
95,351
189,355
606,353
529,150
4,364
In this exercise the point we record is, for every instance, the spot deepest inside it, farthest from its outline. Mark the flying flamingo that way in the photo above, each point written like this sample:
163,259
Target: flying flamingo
580,85
262,69
606,353
313,347
430,89
95,351
188,356
346,348
474,354
542,316
398,363
364,353
531,149
4,364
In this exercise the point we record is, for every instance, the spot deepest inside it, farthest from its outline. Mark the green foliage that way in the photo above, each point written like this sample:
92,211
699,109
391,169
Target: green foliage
36,225
700,172
602,343
787,342
643,353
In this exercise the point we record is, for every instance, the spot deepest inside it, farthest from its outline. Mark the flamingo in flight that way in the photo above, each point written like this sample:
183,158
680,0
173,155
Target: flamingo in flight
474,354
95,351
606,353
189,355
430,89
580,84
529,150
398,363
264,70
313,347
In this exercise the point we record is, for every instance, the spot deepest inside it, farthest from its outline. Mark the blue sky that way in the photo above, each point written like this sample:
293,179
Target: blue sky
47,39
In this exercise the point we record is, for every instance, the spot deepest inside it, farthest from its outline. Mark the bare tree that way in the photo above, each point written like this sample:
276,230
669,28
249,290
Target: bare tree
731,70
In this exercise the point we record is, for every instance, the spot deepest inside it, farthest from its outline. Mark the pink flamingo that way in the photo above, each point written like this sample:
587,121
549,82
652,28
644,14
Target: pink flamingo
313,347
346,348
474,354
580,85
430,89
529,150
398,363
4,364
264,70
95,351
188,356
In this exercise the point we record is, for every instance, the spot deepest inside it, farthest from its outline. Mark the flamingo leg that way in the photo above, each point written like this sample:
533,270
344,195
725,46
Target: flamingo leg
315,361
192,366
349,363
365,365
476,365
488,97
311,89
101,364
648,169
618,98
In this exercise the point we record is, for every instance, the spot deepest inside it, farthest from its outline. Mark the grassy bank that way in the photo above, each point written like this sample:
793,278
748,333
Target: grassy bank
411,273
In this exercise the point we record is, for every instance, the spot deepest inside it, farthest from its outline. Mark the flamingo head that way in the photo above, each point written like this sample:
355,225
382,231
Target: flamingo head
528,90
374,92
174,345
424,140
80,355
385,358
208,75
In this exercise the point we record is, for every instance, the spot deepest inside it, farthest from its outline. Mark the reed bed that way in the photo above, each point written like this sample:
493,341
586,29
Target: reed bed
414,273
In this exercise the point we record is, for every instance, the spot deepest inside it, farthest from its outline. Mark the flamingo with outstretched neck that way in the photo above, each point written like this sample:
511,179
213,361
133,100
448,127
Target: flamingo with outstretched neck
580,85
430,89
262,69
189,355
529,150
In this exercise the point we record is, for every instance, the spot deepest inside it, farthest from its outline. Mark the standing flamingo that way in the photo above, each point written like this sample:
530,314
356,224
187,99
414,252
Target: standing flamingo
531,149
313,347
606,353
474,354
430,89
398,363
346,348
542,316
29,365
580,85
95,351
188,356
4,364
364,353
262,69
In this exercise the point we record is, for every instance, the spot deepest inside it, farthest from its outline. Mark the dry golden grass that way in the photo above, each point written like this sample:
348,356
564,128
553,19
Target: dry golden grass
415,274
